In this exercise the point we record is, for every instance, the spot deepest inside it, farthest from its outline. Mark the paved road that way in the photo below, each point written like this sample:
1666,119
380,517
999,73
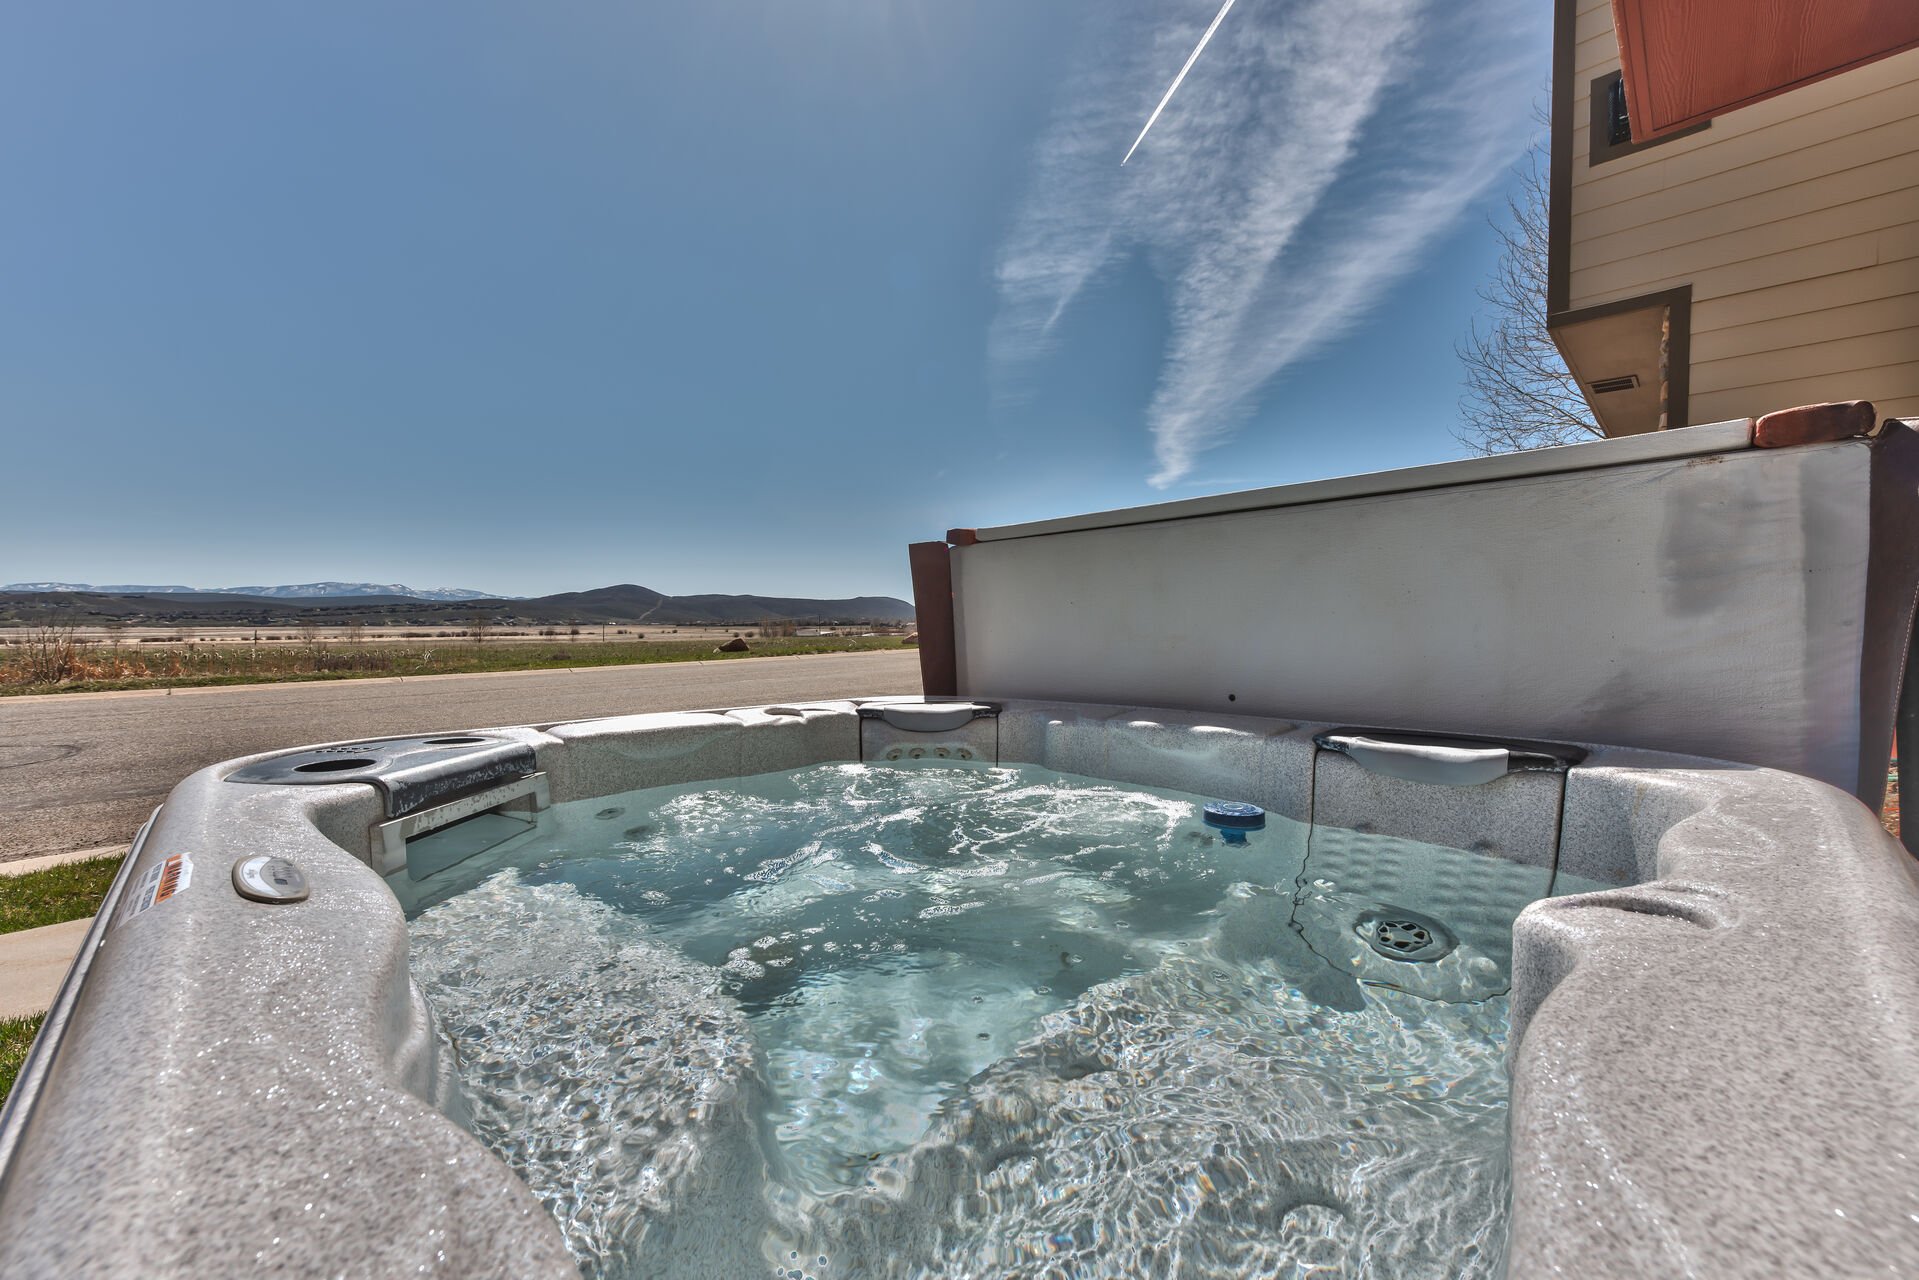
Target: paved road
81,770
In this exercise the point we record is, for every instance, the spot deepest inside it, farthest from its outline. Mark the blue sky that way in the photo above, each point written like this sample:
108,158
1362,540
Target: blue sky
737,296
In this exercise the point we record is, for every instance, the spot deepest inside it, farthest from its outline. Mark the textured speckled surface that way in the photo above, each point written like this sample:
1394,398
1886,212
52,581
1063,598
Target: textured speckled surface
1515,817
1716,1071
1617,803
604,757
1064,737
976,740
1265,762
793,736
1225,757
253,1089
1715,1065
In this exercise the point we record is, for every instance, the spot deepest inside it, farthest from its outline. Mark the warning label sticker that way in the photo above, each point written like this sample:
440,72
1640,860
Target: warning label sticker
165,879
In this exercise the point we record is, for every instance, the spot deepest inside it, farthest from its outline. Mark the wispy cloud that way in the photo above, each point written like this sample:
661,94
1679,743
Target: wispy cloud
1308,160
1205,37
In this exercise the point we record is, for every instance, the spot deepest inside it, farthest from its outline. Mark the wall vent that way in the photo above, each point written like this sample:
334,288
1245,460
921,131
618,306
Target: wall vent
1604,385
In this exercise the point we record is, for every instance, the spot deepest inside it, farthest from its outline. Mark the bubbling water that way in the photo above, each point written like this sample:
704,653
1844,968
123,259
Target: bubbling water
959,1021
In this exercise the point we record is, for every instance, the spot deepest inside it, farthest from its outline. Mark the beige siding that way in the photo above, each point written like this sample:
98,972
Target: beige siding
1735,245
1808,360
1894,392
1783,187
1791,333
1597,52
1798,144
1876,299
1596,21
1795,221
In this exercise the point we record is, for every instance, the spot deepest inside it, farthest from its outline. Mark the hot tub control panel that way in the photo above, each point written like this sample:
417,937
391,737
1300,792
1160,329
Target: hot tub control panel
265,878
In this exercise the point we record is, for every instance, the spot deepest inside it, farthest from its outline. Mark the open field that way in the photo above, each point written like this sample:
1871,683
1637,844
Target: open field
624,605
97,636
44,661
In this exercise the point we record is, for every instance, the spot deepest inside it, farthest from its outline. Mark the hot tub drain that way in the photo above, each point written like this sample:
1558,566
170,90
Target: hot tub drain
1399,934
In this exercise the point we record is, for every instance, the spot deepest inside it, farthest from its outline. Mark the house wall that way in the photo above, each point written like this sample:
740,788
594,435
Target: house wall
1795,221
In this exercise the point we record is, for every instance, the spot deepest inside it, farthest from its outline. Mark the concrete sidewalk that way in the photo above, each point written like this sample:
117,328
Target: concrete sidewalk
33,961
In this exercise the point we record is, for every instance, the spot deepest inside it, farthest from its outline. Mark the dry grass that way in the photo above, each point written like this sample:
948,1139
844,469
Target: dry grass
25,668
48,655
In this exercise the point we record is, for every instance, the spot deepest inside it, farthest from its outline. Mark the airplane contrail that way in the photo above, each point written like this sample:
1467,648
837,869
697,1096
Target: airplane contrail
1217,19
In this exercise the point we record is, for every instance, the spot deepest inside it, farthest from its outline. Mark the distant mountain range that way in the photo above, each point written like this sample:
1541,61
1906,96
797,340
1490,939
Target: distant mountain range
295,591
630,603
64,603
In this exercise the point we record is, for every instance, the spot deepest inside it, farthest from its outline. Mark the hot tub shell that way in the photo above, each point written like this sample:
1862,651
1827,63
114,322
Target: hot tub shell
1711,1063
1714,1061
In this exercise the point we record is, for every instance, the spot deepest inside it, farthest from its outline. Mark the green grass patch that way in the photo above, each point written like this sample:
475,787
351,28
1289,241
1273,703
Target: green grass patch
71,891
16,1037
98,670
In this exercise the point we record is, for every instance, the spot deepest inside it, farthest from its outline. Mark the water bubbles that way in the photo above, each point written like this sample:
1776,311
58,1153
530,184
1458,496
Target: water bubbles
1006,971
741,967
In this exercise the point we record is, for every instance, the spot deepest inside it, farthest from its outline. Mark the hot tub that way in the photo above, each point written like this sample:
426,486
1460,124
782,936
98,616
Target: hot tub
1708,1054
1540,925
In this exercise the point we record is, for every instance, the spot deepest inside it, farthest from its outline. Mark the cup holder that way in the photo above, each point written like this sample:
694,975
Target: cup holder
412,772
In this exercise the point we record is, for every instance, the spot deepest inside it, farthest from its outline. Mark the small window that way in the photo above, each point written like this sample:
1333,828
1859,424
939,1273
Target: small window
1611,127
1619,126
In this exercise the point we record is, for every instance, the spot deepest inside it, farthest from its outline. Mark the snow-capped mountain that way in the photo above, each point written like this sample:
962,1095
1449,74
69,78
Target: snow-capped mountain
317,590
81,586
295,591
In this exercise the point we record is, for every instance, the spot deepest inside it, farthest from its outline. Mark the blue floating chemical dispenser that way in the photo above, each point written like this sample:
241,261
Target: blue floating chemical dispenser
1233,820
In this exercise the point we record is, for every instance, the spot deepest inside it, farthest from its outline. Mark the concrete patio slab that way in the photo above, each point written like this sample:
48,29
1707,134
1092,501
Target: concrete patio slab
32,963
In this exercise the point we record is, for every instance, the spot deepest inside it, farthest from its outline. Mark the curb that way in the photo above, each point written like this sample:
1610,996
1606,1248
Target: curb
41,861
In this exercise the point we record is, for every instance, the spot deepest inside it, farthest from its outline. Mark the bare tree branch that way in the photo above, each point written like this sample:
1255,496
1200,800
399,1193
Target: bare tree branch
1519,393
